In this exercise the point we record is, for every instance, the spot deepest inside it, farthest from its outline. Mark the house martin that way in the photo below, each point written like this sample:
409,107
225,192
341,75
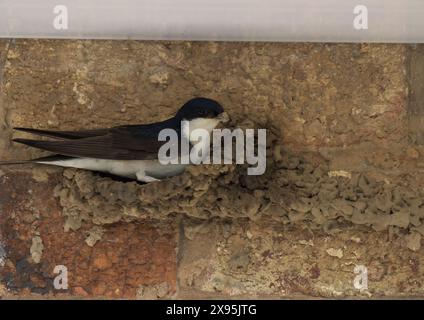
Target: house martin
128,151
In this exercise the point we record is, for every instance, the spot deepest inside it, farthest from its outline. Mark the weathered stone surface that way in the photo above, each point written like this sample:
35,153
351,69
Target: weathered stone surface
416,93
127,257
266,259
4,43
4,46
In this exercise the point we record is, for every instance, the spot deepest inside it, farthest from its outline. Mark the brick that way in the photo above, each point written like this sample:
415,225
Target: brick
267,259
4,43
127,257
416,94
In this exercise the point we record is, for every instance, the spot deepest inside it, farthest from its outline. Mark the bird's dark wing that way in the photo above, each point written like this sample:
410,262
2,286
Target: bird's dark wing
119,143
65,134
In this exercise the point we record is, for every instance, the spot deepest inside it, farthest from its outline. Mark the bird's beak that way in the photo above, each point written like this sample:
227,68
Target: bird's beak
223,117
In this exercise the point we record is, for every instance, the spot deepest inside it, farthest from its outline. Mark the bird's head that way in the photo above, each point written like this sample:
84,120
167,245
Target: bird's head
204,109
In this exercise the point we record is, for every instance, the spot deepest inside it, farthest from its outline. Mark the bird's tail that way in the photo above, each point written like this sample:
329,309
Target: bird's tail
51,158
10,163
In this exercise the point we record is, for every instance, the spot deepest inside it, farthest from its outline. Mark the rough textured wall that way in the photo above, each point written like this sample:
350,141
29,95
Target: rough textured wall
343,183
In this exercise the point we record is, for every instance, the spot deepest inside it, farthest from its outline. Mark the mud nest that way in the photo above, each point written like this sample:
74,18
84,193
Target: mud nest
293,190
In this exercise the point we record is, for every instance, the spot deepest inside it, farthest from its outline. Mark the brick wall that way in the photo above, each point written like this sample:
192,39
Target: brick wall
343,186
